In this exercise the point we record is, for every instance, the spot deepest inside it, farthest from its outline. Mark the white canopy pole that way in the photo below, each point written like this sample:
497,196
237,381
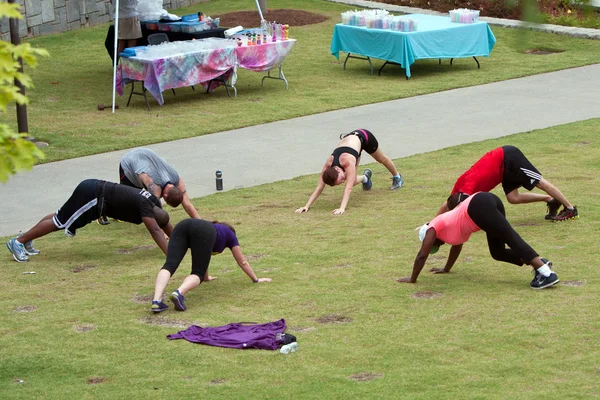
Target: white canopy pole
259,11
115,55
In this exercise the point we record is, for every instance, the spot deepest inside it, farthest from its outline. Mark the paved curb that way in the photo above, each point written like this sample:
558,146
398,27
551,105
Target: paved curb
587,33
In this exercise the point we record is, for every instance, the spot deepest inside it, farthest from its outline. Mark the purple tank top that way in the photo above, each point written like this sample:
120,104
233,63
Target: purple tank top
267,336
225,238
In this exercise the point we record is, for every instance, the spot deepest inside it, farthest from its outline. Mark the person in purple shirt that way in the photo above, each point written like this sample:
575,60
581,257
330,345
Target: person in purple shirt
205,239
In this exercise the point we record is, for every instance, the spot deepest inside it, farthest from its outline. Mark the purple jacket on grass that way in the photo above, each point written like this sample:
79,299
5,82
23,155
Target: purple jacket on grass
267,336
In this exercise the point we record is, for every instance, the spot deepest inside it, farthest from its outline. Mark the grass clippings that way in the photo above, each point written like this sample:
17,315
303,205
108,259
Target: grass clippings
333,319
426,295
94,380
159,320
23,309
83,267
143,299
572,283
365,376
84,328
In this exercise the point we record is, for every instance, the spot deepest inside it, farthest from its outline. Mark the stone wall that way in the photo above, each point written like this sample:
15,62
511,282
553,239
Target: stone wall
41,17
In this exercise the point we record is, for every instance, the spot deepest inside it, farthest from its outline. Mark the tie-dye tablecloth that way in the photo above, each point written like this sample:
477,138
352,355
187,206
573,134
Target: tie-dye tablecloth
200,67
175,71
265,56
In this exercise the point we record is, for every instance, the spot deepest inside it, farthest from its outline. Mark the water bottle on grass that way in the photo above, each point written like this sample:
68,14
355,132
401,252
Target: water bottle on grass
289,348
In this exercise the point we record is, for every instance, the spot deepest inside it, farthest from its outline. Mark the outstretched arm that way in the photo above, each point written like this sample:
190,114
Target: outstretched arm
186,203
350,182
452,257
245,266
150,185
156,233
313,197
421,256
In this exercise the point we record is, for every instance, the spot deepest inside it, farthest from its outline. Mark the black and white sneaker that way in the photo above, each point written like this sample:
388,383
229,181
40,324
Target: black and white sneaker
536,275
544,281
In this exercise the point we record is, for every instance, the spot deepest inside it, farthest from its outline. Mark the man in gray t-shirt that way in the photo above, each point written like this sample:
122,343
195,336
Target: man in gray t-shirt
143,168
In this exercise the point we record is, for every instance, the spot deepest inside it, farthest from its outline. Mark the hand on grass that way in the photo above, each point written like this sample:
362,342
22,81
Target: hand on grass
211,278
439,271
338,211
302,210
405,280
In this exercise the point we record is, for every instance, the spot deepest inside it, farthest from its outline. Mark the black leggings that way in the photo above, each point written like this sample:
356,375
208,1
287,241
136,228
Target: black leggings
195,234
487,212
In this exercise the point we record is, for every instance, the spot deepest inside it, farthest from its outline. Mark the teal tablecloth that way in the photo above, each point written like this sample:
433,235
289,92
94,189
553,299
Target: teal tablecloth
436,37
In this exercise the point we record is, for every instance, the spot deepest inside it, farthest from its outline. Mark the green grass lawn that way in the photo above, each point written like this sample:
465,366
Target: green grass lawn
78,76
484,335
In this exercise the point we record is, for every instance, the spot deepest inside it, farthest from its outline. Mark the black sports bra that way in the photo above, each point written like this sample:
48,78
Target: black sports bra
341,150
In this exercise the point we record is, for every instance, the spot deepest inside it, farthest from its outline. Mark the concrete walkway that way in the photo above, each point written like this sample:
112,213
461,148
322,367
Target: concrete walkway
287,149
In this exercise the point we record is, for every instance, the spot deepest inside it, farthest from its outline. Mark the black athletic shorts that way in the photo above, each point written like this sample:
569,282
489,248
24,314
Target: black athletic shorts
80,209
518,171
367,139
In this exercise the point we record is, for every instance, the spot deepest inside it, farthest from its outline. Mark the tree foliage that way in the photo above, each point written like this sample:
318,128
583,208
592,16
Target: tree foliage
16,153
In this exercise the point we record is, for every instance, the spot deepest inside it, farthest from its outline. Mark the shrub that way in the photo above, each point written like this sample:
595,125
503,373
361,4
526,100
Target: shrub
16,153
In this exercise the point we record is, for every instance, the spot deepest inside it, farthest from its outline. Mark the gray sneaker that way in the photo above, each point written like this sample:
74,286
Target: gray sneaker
397,183
29,249
369,183
17,250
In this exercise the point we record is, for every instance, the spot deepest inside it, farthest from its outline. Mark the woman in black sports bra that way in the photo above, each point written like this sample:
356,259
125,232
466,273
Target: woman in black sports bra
341,166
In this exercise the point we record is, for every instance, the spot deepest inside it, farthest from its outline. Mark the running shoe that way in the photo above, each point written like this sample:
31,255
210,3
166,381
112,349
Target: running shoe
17,250
545,281
369,183
397,182
566,214
536,275
178,301
29,249
553,206
158,306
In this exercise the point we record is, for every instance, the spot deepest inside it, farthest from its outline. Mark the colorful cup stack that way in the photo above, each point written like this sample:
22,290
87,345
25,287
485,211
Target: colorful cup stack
464,16
379,19
403,24
368,18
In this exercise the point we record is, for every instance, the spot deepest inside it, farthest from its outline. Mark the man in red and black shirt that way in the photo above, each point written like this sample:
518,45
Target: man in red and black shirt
507,165
91,200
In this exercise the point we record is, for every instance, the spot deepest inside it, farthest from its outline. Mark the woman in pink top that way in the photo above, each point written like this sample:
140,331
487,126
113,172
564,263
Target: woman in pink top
482,211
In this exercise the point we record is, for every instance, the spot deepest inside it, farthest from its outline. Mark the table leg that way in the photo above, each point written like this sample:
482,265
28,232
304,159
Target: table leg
281,77
142,93
359,58
390,62
232,86
225,83
474,58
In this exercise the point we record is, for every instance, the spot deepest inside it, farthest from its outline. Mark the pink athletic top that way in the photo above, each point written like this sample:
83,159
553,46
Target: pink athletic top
455,227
